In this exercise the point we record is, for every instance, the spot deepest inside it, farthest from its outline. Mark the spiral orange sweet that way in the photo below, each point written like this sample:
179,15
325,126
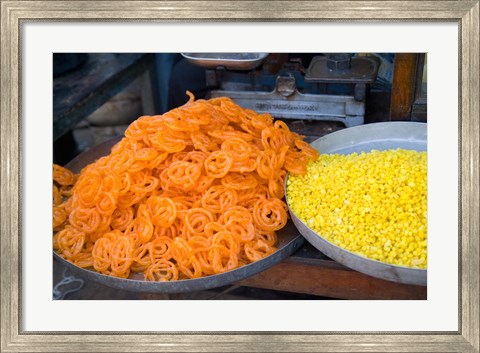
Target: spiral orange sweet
194,192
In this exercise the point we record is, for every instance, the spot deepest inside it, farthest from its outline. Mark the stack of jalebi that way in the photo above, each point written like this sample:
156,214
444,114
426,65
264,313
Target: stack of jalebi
194,192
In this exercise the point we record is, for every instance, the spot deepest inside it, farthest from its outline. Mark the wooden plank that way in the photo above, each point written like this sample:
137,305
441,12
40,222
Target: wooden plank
419,111
403,86
81,92
419,106
329,279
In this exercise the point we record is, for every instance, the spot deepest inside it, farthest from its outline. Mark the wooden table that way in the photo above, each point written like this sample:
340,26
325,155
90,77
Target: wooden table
306,272
310,272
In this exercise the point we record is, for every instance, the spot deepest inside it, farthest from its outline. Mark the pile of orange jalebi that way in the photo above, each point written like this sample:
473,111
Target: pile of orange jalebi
194,192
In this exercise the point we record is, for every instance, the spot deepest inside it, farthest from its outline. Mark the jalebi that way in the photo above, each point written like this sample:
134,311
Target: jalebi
194,192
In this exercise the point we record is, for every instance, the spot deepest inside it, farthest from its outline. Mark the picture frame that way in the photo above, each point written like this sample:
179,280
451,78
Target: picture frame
464,13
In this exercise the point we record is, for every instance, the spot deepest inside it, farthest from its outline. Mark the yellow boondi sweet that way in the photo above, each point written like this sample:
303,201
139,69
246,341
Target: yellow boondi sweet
373,204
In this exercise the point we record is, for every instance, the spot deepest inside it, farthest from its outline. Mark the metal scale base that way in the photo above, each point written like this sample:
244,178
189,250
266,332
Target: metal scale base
286,100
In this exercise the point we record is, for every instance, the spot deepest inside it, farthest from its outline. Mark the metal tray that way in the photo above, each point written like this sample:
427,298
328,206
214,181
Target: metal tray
289,240
379,136
230,61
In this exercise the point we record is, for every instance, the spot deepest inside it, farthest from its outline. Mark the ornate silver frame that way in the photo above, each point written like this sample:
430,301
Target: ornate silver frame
465,13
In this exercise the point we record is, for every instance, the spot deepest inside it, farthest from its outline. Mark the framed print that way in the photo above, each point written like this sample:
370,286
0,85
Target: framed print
442,35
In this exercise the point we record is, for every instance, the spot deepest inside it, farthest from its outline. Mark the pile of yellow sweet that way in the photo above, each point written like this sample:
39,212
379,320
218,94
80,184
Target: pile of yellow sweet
373,204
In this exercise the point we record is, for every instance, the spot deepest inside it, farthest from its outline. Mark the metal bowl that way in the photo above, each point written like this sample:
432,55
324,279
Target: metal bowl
230,61
289,240
378,136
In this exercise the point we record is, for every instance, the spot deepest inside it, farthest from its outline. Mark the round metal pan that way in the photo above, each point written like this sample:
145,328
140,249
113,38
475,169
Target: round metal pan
230,61
289,240
378,136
